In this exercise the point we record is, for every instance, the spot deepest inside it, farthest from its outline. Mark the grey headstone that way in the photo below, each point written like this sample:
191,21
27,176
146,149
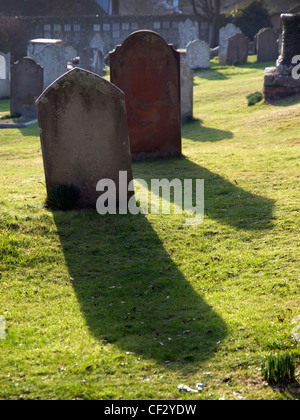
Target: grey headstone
26,86
198,55
84,134
4,75
225,33
50,55
267,45
187,32
187,90
91,59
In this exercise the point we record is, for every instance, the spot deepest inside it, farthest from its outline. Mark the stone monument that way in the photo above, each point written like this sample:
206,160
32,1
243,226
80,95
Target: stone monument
283,81
84,135
27,81
147,70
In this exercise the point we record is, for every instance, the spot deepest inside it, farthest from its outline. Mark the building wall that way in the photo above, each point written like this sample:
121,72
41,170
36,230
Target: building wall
105,32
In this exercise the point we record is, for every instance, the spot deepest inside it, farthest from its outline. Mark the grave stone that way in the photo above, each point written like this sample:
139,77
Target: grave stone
98,42
267,45
187,90
238,49
84,134
50,55
91,59
4,75
187,31
198,55
69,52
27,81
282,81
147,70
225,33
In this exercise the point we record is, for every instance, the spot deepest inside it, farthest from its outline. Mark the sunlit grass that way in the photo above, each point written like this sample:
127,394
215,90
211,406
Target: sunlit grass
130,307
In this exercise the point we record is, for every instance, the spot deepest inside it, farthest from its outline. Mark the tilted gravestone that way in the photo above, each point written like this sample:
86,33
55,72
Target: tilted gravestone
147,70
225,33
198,55
187,90
4,75
27,78
267,45
238,49
84,135
92,59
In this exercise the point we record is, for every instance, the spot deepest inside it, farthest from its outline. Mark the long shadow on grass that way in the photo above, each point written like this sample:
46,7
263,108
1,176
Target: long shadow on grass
132,294
195,131
224,201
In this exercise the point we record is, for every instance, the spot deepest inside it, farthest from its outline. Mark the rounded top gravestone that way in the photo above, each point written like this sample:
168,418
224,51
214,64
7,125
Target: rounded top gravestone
198,55
225,33
147,70
267,45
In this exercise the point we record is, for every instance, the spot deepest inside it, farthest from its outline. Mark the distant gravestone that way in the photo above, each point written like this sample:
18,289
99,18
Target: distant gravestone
4,75
50,55
84,135
267,45
225,33
187,31
147,70
238,49
187,90
27,81
69,52
92,59
198,55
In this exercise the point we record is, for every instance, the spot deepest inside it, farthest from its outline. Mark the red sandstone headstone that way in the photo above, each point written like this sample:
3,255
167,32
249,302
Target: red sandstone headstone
147,70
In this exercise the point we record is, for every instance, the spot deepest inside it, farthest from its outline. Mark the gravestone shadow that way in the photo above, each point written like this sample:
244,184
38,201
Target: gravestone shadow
195,131
224,201
132,294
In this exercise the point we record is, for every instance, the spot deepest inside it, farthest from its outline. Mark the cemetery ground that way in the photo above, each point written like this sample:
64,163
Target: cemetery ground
130,307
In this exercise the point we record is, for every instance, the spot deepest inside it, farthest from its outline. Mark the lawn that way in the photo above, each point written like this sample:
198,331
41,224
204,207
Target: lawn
130,307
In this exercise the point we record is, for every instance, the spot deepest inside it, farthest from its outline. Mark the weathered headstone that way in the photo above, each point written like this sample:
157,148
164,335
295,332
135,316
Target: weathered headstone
187,31
225,33
267,45
198,55
27,81
282,81
84,134
4,75
187,90
238,49
50,55
147,70
91,59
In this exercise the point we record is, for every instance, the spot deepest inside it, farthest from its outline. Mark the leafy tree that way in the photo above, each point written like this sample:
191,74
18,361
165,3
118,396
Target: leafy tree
250,17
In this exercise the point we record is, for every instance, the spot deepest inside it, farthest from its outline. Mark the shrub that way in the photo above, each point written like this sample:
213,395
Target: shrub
279,368
254,98
63,197
250,17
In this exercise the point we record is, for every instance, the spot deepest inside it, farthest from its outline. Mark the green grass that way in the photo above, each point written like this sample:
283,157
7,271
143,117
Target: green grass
129,307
